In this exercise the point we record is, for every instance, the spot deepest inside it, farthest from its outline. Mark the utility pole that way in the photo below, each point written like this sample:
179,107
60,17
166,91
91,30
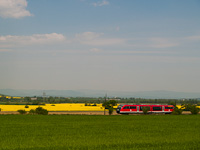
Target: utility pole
44,96
105,104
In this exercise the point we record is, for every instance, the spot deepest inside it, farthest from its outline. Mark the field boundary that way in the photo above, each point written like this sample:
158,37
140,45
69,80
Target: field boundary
81,113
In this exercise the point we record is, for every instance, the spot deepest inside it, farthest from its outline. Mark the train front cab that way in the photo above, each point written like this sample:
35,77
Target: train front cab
127,109
119,108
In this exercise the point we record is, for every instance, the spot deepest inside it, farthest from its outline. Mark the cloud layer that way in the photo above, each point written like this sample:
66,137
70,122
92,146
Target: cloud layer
96,42
101,3
13,40
13,9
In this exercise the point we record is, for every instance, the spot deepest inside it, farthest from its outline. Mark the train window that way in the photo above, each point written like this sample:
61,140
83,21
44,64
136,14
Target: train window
157,108
132,107
169,108
140,108
126,107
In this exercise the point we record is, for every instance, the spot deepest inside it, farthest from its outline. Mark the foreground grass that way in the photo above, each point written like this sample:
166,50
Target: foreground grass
69,132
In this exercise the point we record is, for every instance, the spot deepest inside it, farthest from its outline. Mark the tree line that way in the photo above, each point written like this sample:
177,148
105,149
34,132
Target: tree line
42,100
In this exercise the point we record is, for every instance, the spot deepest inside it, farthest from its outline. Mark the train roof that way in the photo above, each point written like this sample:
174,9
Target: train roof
146,104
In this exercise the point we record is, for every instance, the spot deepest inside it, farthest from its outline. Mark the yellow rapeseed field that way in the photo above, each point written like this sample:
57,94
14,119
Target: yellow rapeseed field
55,107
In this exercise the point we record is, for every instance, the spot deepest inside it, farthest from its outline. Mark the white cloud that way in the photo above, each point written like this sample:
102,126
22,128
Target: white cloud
88,35
101,3
13,9
162,43
5,50
153,42
96,39
10,40
95,50
141,52
193,38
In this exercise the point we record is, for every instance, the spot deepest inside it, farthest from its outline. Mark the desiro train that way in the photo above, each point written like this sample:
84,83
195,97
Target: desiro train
133,109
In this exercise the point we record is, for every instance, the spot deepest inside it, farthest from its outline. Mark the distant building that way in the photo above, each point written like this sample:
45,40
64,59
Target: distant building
33,98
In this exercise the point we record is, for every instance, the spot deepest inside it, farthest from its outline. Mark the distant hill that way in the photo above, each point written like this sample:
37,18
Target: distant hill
101,93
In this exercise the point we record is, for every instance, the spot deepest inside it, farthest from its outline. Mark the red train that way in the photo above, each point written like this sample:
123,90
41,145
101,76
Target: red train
132,109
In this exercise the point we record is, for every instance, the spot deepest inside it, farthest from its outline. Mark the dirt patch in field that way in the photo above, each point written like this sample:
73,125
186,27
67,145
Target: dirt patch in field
65,113
77,113
81,113
8,112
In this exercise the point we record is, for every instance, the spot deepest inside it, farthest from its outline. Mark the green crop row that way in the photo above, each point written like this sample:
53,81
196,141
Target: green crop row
74,132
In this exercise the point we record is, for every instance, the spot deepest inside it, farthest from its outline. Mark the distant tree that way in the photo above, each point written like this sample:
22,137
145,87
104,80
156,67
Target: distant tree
41,111
110,110
36,103
177,111
172,103
194,109
145,109
94,104
187,107
21,111
7,103
32,112
109,105
27,99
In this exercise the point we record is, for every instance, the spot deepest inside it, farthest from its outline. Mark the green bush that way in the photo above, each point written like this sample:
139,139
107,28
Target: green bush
110,110
26,106
21,111
177,111
194,109
32,112
94,104
41,111
145,109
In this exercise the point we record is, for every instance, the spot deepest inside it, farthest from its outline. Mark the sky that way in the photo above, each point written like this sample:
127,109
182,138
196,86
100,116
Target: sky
116,45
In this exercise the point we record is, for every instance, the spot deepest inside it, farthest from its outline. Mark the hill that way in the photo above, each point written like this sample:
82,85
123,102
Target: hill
101,93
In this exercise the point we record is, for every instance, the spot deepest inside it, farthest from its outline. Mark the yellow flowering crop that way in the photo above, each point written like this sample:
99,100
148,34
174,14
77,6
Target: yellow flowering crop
55,107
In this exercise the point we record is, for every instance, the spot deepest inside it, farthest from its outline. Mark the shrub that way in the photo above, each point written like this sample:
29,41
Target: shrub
32,112
110,110
187,107
0,109
145,109
94,104
194,109
26,106
41,111
21,111
177,111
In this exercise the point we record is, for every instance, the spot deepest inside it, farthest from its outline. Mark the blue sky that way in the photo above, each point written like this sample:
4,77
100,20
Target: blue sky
132,45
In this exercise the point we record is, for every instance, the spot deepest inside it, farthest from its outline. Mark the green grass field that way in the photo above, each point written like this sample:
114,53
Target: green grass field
69,132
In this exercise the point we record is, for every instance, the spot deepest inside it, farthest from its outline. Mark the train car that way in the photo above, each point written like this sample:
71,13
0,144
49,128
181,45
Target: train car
133,109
